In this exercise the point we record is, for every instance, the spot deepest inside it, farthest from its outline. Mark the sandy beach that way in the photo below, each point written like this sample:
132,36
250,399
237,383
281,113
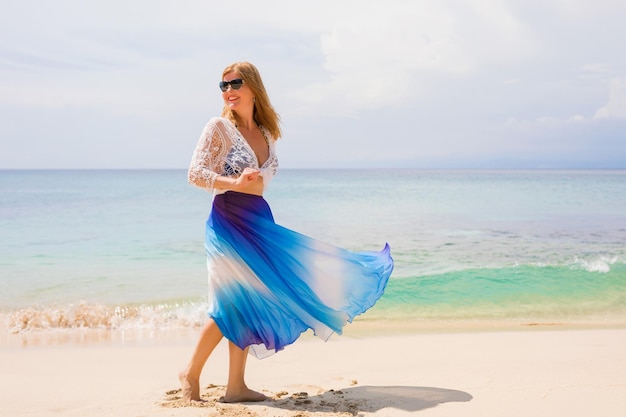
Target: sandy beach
535,372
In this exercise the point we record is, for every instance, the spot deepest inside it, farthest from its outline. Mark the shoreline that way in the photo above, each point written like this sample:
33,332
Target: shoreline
362,327
543,372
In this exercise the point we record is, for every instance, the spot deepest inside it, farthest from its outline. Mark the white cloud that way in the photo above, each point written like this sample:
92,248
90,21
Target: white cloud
616,106
431,79
380,54
584,9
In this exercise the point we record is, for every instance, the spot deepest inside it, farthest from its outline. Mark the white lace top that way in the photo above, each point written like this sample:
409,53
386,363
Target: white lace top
222,150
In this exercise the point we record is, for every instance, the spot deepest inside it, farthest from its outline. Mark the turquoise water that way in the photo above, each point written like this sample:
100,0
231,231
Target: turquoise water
124,248
526,293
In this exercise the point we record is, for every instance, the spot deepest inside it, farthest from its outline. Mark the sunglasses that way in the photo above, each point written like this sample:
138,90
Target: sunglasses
235,84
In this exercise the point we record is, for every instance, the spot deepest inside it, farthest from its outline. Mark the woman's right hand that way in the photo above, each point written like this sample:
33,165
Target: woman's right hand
248,177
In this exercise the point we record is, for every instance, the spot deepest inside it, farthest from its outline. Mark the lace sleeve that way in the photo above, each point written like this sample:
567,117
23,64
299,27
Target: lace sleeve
207,157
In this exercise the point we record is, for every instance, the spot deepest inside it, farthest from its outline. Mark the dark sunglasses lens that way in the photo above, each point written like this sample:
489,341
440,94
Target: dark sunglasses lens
235,84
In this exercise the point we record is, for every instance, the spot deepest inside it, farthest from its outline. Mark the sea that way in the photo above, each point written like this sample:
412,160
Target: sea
121,251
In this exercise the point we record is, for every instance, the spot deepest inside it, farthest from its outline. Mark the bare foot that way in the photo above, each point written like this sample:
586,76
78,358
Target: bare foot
190,388
244,395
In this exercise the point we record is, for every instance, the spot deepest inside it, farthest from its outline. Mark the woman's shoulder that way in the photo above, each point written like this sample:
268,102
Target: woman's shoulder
219,122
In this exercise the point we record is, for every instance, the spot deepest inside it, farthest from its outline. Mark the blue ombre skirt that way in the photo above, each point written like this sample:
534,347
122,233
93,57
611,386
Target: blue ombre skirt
268,284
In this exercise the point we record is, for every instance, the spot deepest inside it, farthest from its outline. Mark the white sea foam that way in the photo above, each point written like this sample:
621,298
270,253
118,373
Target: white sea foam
601,264
98,316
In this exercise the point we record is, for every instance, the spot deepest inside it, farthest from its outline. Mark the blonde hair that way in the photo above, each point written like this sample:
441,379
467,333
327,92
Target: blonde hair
263,113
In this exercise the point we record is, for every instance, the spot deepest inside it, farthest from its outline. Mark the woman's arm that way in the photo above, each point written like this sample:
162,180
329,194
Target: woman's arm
209,150
209,154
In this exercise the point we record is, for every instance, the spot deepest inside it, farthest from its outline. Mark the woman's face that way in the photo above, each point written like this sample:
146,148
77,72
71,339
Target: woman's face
237,99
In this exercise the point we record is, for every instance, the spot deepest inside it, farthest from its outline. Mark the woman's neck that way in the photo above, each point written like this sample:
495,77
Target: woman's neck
245,121
248,124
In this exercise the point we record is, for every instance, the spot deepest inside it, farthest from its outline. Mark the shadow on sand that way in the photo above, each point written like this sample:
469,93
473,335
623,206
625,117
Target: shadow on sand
353,400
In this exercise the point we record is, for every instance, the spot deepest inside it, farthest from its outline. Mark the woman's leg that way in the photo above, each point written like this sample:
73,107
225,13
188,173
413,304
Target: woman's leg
236,389
210,336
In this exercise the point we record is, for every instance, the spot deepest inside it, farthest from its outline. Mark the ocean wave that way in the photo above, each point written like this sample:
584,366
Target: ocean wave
98,316
585,286
602,264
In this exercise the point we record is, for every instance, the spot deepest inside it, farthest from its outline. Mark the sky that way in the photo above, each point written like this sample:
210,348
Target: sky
358,84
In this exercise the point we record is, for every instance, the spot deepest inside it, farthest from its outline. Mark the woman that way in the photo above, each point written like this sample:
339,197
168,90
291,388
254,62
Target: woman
267,284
